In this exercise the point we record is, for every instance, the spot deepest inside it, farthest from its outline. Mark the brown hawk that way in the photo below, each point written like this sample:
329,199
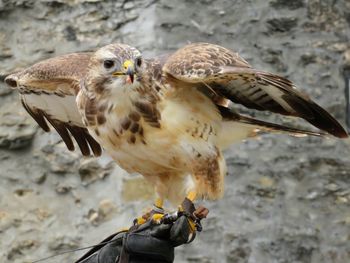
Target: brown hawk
167,118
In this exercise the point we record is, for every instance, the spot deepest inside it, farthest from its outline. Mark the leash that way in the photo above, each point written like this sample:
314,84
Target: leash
72,251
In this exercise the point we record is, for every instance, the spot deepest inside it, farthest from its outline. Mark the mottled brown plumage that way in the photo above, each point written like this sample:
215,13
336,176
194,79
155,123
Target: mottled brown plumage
233,78
167,118
48,90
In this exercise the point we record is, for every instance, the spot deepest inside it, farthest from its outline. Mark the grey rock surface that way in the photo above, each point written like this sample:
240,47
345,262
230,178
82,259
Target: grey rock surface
286,200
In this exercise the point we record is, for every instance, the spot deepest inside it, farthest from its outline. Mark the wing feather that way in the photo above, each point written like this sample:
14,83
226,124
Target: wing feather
231,77
48,92
37,115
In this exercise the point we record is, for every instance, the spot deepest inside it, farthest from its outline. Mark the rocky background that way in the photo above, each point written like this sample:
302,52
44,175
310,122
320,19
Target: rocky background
287,199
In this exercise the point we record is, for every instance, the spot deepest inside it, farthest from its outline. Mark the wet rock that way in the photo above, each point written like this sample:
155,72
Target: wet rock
346,60
22,192
275,58
261,191
105,211
62,162
347,17
16,131
4,90
281,25
93,217
6,5
264,187
313,195
128,5
293,251
267,182
308,58
342,200
292,5
69,33
42,214
21,248
106,208
63,242
63,188
199,259
5,221
90,170
238,249
40,177
338,47
48,149
5,53
332,187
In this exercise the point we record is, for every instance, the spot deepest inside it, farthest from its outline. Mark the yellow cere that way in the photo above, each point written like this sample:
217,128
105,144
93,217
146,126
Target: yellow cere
127,64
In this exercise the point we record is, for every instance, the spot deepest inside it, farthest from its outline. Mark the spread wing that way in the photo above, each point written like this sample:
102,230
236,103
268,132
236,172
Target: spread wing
230,77
48,91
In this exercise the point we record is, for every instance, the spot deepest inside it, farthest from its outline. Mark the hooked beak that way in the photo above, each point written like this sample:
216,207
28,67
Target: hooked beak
130,71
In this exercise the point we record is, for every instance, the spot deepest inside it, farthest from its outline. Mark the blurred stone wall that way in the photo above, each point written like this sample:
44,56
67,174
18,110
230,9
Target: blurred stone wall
286,200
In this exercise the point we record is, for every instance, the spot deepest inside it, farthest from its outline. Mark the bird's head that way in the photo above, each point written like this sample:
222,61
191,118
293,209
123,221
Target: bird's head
115,66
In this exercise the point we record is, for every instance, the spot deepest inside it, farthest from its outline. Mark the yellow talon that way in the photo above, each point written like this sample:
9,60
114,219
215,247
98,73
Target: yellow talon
192,196
140,220
157,217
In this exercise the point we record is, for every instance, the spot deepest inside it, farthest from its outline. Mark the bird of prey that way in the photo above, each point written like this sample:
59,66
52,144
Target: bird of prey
169,117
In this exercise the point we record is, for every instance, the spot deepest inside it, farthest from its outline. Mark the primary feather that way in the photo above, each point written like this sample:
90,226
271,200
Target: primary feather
233,78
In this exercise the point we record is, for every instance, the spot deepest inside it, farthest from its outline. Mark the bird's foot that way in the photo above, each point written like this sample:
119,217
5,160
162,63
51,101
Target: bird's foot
187,210
155,214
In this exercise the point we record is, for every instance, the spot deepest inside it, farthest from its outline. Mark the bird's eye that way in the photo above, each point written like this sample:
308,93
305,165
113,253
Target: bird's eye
108,63
139,62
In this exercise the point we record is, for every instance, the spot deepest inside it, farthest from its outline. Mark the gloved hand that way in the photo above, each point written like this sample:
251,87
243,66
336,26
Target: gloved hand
149,242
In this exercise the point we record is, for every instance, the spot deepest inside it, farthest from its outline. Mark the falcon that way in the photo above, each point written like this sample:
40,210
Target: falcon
168,118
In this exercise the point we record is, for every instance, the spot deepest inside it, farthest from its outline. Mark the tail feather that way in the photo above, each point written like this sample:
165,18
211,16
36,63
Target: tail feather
237,127
263,126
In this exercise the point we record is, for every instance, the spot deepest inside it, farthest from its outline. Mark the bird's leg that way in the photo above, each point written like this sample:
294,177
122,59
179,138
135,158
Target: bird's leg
193,215
191,195
156,213
158,203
